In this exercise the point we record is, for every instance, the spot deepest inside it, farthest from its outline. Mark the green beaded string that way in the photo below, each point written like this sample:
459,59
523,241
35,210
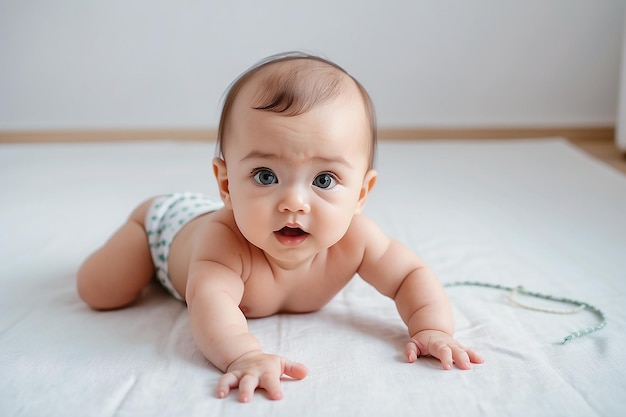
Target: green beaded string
520,290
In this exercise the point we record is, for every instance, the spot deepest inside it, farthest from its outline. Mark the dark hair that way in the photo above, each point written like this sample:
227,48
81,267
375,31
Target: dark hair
295,90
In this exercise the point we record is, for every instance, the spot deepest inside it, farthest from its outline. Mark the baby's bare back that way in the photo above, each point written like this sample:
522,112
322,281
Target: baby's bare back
268,289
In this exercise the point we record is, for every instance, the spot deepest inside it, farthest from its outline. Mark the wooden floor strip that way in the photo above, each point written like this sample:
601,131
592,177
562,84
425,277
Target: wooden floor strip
410,133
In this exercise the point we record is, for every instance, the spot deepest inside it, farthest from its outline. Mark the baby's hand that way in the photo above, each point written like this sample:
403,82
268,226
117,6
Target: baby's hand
443,347
258,370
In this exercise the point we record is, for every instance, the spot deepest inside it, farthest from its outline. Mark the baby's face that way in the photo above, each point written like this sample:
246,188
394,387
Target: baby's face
295,182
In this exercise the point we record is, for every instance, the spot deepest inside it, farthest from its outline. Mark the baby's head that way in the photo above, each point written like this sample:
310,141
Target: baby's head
296,145
292,84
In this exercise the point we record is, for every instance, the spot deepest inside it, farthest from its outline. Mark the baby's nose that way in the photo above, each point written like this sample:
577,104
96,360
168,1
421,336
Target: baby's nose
294,200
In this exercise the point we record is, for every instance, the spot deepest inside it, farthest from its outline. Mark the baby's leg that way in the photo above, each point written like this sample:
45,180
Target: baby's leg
114,275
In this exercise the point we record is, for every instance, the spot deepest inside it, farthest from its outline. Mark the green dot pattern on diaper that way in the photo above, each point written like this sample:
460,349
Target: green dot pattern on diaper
165,219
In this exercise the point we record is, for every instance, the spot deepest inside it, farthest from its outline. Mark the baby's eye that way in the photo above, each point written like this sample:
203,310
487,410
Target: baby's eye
325,181
265,177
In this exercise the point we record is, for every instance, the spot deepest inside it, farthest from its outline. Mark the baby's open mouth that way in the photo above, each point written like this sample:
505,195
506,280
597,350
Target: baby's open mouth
291,231
291,236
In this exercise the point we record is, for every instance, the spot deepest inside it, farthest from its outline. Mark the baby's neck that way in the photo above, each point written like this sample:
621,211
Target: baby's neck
285,268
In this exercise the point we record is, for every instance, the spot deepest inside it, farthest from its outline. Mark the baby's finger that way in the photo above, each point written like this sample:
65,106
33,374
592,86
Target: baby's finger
225,383
461,358
294,369
247,385
442,352
474,357
271,383
411,351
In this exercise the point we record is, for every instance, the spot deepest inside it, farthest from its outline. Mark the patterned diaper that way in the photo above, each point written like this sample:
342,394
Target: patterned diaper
166,216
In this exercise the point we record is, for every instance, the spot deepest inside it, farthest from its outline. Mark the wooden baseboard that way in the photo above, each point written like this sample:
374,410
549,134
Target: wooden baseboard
106,135
592,133
579,133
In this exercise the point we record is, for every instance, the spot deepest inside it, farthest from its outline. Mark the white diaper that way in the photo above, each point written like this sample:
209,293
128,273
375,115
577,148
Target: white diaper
166,216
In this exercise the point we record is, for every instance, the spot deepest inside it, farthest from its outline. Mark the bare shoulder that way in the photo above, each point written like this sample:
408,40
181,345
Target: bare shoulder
386,262
217,238
366,234
362,239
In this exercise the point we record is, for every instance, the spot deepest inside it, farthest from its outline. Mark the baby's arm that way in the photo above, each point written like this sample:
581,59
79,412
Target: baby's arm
424,307
221,332
419,296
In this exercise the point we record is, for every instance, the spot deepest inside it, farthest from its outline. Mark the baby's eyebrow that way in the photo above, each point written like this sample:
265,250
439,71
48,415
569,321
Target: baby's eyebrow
328,160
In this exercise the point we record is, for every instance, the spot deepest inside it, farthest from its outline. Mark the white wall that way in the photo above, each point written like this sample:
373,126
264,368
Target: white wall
157,63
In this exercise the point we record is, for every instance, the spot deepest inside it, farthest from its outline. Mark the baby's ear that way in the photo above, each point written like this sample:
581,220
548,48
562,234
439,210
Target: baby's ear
221,175
368,183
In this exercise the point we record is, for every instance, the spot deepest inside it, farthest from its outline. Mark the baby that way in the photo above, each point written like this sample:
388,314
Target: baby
296,145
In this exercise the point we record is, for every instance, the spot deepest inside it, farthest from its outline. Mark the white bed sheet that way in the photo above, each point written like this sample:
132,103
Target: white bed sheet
537,213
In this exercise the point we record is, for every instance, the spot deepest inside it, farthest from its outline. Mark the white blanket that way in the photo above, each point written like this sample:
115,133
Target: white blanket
537,213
